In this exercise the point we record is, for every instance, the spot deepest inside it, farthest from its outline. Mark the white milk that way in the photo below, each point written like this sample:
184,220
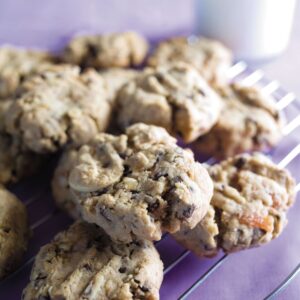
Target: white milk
253,29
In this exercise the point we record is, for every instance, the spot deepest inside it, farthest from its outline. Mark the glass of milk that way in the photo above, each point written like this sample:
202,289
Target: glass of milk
256,30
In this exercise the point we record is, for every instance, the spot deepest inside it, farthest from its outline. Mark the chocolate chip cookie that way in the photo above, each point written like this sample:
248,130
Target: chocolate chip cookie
59,106
15,162
135,185
83,263
61,191
106,51
248,208
209,57
16,64
249,121
14,232
174,97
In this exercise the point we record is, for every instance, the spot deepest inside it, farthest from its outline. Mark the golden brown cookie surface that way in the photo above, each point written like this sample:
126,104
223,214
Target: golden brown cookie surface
83,263
248,208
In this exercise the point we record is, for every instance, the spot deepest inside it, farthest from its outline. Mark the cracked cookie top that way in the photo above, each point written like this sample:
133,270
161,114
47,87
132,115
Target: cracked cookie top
248,208
134,185
58,106
211,58
249,121
115,78
174,97
105,51
14,232
16,64
83,263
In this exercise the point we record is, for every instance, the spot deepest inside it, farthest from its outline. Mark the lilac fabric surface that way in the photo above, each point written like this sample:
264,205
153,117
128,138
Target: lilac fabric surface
48,24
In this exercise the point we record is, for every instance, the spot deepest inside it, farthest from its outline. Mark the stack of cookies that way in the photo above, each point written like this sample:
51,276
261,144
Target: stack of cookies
122,176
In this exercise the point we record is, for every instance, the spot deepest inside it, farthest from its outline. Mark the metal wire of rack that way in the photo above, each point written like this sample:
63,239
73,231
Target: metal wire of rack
47,211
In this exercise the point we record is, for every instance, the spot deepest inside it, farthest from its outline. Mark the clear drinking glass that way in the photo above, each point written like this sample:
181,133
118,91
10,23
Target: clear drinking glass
254,29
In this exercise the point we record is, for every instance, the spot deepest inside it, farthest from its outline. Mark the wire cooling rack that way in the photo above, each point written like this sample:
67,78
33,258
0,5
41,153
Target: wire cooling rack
266,271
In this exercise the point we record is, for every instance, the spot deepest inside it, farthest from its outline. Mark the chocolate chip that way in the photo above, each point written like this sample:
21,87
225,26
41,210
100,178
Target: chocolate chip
122,155
179,133
127,170
240,162
93,51
58,251
159,156
160,174
122,270
144,289
259,140
103,211
87,267
38,279
99,193
6,229
177,179
106,165
200,91
131,252
207,247
160,78
153,206
187,213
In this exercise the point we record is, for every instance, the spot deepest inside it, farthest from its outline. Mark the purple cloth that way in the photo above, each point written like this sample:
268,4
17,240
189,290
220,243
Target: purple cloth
48,24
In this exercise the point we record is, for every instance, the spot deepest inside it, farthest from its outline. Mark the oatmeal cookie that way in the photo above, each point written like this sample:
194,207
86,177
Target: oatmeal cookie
59,106
106,51
61,191
134,185
83,263
248,208
15,162
249,121
174,97
209,57
16,65
14,232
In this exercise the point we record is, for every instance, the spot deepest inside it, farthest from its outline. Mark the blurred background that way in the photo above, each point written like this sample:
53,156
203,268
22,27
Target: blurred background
49,24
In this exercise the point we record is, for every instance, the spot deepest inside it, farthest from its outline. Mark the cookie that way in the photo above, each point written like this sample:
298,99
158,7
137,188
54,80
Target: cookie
248,208
15,162
135,185
211,58
106,51
83,263
59,106
174,97
14,232
16,64
61,191
249,121
115,78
